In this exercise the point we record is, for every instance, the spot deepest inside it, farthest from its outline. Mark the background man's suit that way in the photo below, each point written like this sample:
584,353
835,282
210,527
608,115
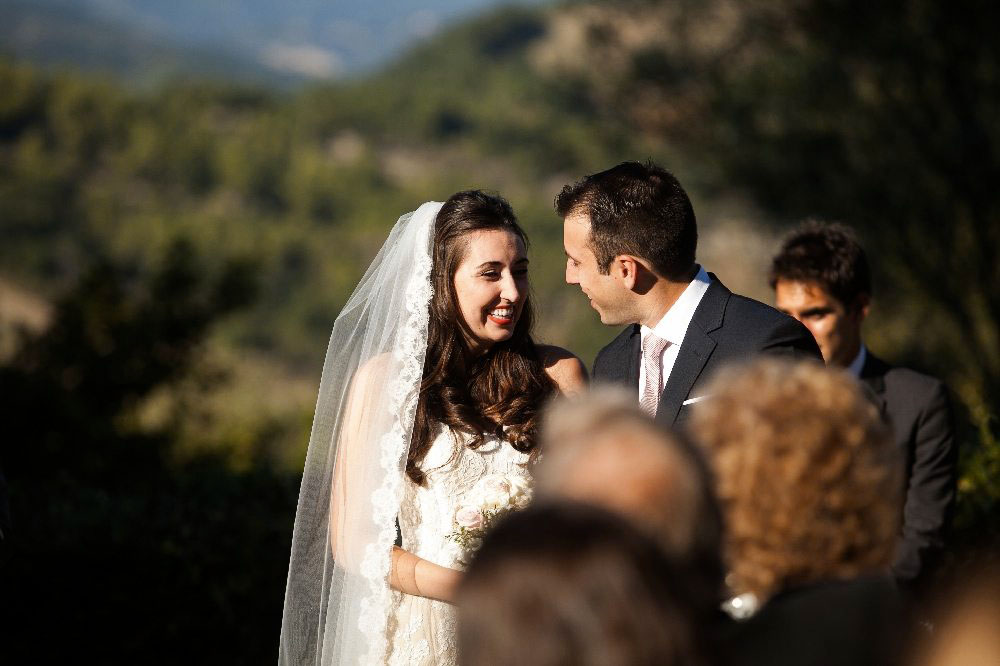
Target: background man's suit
918,410
726,328
859,622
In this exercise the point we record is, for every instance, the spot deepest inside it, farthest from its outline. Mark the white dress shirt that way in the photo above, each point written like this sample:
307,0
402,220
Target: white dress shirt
673,326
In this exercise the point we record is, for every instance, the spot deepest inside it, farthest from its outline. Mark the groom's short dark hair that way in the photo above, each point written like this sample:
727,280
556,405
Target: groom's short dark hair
638,209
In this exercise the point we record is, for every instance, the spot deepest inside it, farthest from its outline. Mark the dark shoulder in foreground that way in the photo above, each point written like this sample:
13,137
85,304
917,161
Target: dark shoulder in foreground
765,329
564,368
760,315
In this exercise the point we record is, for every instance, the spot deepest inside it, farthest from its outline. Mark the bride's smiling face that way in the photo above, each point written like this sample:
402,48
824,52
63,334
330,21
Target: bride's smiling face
491,285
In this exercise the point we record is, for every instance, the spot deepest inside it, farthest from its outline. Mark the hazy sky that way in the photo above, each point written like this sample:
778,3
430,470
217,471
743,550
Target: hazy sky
312,37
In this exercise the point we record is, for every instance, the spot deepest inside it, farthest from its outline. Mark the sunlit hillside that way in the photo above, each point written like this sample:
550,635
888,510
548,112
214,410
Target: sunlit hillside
521,101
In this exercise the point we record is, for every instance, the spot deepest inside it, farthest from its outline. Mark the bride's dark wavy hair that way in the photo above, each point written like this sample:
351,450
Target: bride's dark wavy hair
506,386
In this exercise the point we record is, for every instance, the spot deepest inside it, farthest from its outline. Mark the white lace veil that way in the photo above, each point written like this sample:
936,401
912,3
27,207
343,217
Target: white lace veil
337,598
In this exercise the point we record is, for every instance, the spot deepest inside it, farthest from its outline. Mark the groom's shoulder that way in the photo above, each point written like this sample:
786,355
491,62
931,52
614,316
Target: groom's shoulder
745,310
614,348
620,340
761,326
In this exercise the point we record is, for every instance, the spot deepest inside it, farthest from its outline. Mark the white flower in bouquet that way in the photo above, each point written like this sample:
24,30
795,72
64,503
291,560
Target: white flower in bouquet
469,517
520,491
494,491
492,498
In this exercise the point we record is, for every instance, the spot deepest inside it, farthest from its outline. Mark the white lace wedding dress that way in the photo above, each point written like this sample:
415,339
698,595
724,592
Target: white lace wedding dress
422,631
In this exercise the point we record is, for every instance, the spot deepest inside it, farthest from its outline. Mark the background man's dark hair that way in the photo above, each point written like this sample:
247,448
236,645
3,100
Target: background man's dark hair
637,209
825,254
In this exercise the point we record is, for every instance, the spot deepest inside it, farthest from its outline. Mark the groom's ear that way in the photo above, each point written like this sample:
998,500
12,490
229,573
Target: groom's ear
627,269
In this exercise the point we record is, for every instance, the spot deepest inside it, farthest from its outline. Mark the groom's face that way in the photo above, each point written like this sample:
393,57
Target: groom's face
607,295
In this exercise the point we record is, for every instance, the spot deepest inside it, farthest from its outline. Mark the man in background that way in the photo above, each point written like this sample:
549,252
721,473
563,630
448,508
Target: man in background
821,277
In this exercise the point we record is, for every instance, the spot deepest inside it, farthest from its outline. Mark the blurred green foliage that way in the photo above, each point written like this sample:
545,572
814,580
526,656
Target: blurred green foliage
308,183
118,548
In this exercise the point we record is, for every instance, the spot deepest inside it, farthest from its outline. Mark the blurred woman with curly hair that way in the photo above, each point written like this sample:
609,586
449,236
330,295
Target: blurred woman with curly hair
810,487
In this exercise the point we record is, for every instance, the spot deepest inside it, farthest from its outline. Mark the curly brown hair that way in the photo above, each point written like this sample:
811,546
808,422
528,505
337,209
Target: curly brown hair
501,392
808,477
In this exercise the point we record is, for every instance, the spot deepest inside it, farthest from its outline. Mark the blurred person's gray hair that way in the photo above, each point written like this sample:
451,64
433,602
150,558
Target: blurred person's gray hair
601,449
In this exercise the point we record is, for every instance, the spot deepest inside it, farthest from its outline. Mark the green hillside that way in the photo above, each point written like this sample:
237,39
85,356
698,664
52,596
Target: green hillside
522,101
306,186
758,126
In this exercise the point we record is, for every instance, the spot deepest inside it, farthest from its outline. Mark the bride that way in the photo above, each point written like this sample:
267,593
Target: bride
431,384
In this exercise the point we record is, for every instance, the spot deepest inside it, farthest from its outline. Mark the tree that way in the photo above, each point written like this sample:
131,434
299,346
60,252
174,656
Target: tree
118,549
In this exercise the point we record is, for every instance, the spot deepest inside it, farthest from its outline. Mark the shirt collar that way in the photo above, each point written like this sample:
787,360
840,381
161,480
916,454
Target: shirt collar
674,324
859,361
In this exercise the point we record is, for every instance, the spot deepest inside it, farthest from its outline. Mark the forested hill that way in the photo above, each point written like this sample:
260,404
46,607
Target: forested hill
93,168
768,112
304,186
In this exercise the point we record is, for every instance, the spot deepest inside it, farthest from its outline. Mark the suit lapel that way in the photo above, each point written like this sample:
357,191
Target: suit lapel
696,348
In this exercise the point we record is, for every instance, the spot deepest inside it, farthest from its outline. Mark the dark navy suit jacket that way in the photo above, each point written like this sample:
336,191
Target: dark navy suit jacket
726,328
917,408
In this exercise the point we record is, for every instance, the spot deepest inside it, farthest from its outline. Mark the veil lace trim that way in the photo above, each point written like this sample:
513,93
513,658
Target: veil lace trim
409,354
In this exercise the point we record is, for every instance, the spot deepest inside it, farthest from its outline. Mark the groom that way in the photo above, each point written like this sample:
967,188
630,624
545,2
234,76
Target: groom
630,238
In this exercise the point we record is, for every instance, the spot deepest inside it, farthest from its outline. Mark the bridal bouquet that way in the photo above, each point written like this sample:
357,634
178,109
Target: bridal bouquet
492,498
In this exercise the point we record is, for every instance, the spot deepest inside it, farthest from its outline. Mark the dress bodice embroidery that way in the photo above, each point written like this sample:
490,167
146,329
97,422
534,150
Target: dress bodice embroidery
452,469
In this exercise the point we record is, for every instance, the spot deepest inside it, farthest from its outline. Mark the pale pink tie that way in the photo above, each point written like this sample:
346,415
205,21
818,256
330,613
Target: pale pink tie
652,354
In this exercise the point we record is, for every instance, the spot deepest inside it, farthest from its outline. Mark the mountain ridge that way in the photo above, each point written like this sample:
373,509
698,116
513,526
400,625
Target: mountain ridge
299,38
69,37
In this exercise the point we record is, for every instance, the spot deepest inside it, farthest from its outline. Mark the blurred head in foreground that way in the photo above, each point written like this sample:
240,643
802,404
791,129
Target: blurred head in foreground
807,475
568,583
602,449
966,621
